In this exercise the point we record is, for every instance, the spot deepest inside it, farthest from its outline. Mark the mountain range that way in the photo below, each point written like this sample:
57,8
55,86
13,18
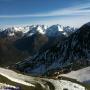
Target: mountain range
25,41
72,54
52,31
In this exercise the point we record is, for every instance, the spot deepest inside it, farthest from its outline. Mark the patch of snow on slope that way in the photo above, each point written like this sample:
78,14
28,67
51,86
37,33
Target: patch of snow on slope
59,28
11,75
40,30
82,75
65,85
4,86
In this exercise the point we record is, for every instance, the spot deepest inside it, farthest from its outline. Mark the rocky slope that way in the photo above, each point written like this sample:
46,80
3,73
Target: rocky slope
72,54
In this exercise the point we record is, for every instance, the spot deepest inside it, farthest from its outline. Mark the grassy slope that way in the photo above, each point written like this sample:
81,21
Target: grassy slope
23,87
9,54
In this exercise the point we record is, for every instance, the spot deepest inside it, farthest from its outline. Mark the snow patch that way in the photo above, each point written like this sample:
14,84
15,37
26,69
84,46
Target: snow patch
11,75
82,75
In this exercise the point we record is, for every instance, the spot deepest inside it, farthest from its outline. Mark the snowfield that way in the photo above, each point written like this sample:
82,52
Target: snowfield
3,86
82,75
43,82
65,85
13,76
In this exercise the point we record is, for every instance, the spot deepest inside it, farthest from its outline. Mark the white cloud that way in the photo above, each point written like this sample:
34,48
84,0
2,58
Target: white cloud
75,10
72,16
68,21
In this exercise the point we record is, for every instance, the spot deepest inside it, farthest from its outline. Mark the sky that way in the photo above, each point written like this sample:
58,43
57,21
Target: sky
48,12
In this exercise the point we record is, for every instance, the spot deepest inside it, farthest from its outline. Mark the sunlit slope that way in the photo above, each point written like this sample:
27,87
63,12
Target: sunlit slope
36,83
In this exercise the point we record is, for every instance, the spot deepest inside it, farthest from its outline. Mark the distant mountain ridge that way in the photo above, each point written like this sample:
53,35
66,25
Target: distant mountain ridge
42,29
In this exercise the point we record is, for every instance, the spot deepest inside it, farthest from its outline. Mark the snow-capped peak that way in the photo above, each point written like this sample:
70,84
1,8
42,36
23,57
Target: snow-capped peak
26,29
60,28
22,29
17,28
41,29
57,27
53,30
36,28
